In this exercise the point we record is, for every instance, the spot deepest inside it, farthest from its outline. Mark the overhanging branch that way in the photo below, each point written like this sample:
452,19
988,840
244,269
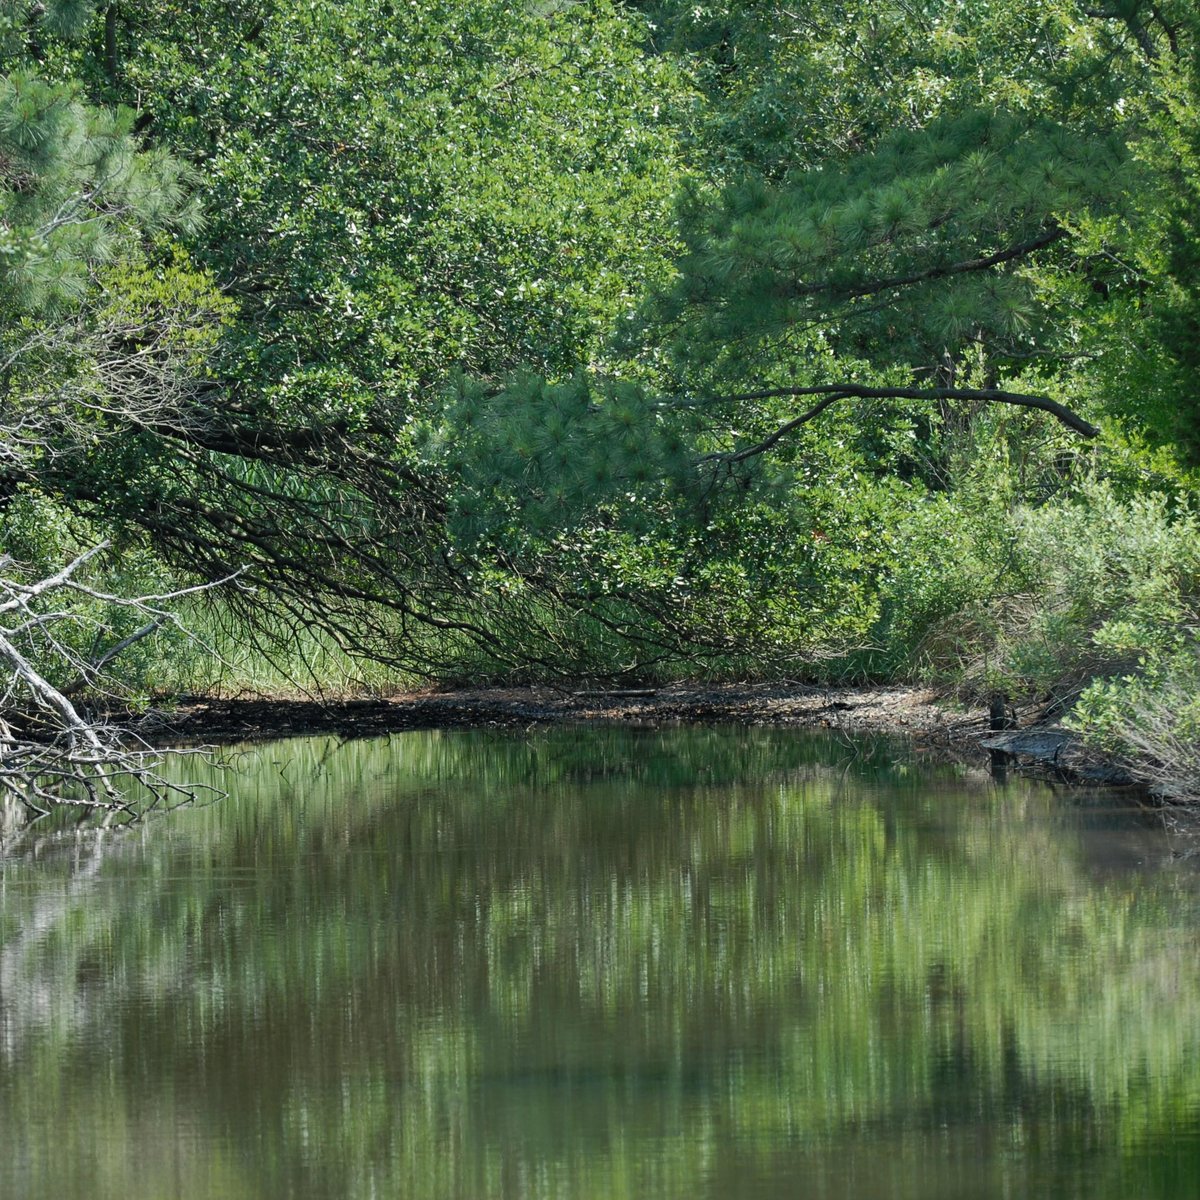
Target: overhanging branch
986,262
831,393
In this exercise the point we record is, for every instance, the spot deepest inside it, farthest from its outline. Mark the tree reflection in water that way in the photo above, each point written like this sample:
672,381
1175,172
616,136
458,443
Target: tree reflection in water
603,963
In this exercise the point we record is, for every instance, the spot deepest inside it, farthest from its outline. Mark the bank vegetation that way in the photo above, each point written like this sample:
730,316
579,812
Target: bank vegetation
349,345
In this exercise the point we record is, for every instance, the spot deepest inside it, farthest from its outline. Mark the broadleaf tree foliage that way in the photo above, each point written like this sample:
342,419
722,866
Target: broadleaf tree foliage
393,196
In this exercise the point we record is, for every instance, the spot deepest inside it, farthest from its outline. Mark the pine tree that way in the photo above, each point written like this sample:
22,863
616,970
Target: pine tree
75,191
1178,319
915,199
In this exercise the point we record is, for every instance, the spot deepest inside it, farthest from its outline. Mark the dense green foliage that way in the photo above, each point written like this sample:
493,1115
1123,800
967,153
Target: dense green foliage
493,340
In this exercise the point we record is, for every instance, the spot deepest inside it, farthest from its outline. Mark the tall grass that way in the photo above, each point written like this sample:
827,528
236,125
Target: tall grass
223,655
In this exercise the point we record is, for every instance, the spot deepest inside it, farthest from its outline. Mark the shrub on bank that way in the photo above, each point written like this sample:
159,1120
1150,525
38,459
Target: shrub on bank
1090,606
1052,597
1150,720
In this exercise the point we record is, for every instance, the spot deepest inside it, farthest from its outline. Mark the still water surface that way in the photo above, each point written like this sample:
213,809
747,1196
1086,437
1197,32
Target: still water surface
604,964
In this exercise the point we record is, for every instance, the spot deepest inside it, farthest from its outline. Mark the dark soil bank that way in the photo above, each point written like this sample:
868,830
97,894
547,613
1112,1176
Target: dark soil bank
918,713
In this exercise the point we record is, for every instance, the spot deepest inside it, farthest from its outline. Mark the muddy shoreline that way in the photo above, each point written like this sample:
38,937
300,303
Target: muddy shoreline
934,725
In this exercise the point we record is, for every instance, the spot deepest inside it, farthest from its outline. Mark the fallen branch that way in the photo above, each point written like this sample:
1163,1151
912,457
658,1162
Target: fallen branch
51,752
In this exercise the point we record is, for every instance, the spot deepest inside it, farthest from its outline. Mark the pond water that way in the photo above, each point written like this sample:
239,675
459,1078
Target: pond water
603,963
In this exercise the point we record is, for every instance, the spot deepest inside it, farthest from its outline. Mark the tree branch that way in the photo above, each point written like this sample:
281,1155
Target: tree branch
1055,234
51,751
1132,25
831,393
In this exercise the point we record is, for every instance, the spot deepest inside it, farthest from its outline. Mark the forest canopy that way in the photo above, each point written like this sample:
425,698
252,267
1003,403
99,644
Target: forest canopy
482,341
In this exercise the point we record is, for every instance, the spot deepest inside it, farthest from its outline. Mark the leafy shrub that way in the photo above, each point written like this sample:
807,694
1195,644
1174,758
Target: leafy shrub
1049,598
1150,720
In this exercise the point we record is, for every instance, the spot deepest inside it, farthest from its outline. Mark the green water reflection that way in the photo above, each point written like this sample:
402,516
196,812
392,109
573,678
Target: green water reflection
603,964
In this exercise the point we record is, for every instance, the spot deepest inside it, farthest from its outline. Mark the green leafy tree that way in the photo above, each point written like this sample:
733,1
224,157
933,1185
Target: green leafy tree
904,232
394,195
1177,323
915,229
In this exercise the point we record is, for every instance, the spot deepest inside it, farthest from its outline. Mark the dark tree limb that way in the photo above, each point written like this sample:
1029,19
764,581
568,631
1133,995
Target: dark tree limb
112,60
966,267
831,393
1133,26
